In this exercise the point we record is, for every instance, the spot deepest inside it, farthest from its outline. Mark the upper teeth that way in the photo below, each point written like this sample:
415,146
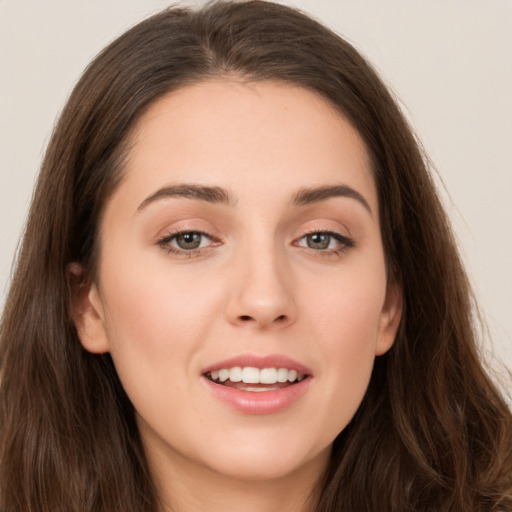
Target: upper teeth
250,375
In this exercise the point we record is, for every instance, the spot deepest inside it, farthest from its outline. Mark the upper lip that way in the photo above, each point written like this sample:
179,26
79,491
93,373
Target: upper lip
259,361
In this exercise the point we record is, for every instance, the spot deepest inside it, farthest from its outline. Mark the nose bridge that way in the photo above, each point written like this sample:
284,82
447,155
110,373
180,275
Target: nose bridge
263,295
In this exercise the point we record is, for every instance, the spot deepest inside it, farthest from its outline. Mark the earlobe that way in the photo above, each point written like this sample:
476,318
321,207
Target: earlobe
390,317
87,311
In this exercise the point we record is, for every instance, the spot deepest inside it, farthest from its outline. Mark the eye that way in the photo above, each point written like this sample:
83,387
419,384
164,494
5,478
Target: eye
189,241
318,241
325,241
185,241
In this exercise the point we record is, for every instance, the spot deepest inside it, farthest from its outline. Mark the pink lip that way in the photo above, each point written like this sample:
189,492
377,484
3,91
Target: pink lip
255,361
262,402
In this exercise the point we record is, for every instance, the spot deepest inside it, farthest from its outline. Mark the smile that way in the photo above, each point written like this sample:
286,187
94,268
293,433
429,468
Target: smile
258,384
265,379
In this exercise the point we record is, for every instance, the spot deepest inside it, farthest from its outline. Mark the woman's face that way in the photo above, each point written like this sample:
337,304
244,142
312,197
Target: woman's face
242,243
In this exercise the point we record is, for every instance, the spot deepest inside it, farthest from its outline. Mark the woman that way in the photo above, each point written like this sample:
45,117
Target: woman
238,288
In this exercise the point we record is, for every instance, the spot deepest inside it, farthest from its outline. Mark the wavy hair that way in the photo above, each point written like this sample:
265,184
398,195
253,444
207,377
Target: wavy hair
432,433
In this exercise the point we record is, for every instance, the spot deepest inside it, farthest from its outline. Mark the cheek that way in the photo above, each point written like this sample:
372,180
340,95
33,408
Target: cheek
157,319
147,300
156,325
346,329
348,309
348,336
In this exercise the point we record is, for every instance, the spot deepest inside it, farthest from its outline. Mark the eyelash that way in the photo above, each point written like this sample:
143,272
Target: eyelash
165,242
345,242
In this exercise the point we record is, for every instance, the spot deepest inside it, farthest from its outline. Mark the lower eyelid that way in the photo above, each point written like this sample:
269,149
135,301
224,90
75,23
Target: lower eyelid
343,243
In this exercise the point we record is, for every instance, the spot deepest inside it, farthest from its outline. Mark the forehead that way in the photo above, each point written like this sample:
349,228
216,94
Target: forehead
247,136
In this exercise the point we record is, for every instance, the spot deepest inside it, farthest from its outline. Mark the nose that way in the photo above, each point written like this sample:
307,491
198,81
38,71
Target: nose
261,294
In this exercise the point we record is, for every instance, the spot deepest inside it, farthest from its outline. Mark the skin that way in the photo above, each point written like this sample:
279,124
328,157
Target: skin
255,286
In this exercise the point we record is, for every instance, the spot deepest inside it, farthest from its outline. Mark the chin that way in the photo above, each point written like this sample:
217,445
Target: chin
259,460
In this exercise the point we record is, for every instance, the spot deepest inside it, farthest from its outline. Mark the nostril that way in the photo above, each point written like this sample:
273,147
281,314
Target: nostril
248,318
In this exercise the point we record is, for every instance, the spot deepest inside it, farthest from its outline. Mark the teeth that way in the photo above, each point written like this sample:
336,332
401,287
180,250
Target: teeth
268,376
251,375
282,375
235,374
223,375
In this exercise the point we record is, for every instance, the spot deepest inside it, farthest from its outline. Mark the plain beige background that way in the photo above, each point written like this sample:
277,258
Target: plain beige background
449,62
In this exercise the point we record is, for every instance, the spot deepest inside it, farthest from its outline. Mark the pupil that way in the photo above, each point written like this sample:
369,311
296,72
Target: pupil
318,241
189,240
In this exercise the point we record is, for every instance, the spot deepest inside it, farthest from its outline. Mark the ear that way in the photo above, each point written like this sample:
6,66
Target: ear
87,310
390,317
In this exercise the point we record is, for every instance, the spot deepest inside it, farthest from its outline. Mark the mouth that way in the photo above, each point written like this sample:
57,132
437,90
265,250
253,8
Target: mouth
257,384
252,379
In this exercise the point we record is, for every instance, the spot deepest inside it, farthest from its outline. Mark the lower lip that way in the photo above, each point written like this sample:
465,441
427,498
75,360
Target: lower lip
258,402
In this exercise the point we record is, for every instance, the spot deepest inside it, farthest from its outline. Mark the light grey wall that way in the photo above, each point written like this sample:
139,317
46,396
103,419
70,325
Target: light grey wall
449,61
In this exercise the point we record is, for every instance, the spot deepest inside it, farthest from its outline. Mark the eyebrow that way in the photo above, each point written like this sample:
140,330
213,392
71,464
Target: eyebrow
316,194
219,195
215,195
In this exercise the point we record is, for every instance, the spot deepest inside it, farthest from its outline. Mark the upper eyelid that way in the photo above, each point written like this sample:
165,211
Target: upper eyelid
300,223
173,232
344,233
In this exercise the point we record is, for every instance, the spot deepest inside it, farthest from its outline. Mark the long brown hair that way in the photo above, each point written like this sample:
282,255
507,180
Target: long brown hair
432,434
